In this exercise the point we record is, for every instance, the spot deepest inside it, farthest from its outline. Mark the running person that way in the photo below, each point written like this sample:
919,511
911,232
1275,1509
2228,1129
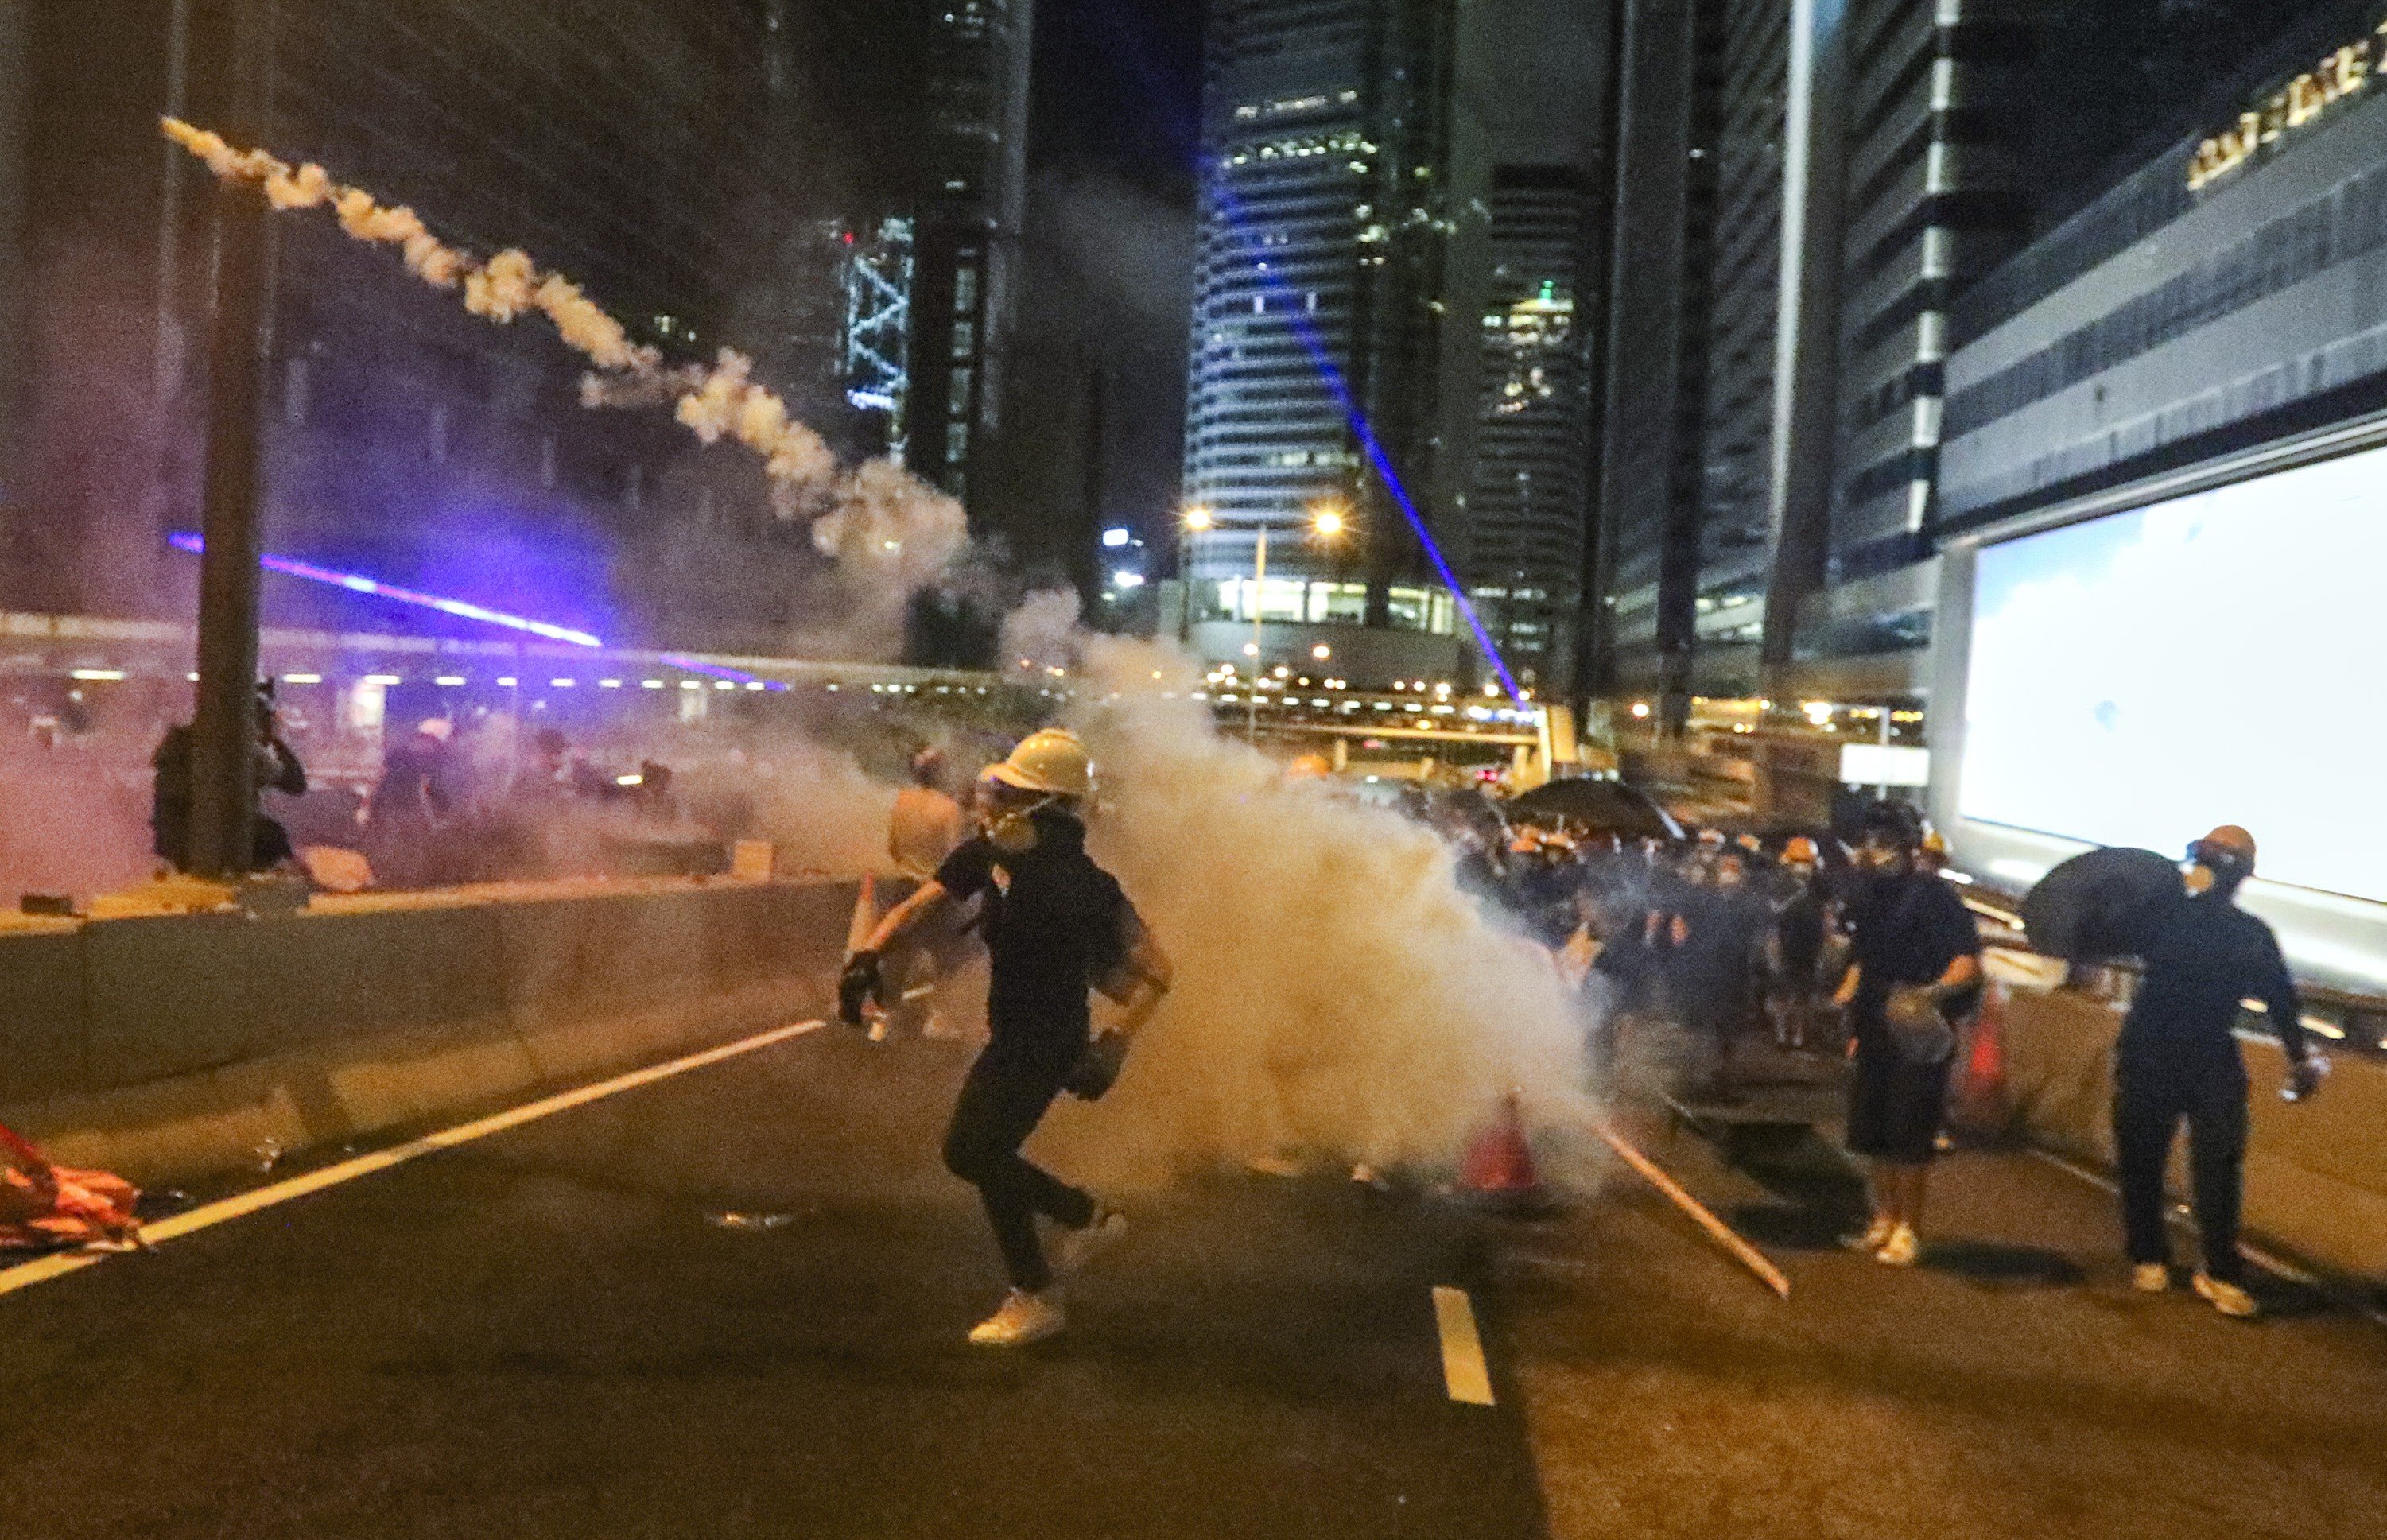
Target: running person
1056,927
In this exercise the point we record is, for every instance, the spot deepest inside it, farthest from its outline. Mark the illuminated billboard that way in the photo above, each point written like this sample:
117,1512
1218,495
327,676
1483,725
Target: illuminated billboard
2142,677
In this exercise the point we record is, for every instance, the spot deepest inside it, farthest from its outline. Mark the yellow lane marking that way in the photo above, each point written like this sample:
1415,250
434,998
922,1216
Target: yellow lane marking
1464,1373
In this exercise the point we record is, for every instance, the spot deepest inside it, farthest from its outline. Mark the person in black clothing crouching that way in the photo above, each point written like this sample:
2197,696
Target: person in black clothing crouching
1914,966
2179,1058
1056,927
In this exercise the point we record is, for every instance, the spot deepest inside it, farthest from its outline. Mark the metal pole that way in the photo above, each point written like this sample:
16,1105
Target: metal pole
1259,648
223,737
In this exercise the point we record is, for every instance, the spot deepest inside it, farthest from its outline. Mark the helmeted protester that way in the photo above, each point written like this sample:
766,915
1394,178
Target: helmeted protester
1799,925
1056,927
2178,1061
1915,970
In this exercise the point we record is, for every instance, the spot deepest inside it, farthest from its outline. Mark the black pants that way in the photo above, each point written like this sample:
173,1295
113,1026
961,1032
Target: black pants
2149,1101
1000,1107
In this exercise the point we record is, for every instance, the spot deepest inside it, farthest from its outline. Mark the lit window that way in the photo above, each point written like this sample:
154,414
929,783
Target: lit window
956,441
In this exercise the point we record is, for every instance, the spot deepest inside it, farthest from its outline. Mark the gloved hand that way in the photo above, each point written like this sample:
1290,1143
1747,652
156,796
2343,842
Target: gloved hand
859,984
1097,1068
2305,1077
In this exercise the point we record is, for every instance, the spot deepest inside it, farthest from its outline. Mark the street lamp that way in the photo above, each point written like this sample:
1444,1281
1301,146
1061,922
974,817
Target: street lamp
1327,522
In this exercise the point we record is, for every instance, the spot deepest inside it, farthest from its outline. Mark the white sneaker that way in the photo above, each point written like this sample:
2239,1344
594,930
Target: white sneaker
1875,1236
2227,1298
1024,1318
1077,1248
2151,1278
1902,1249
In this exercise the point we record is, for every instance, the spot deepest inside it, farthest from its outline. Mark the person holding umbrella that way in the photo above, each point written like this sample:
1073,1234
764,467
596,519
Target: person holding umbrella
2179,1060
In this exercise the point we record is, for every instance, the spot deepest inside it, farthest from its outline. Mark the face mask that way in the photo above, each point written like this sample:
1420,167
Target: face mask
1014,833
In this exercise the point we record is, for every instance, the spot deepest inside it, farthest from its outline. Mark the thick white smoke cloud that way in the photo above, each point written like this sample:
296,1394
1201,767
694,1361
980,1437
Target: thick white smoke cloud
891,533
1339,998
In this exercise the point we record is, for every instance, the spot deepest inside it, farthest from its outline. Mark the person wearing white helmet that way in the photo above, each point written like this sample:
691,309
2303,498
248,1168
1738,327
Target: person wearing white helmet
1057,927
2179,1060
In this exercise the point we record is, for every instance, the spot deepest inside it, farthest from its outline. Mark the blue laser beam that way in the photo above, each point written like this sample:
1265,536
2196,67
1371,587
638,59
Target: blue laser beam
1304,331
358,583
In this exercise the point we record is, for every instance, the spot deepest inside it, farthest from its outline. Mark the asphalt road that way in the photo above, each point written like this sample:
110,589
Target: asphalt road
544,1334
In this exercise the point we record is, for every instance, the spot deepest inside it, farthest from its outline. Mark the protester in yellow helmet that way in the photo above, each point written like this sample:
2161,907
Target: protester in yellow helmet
1056,927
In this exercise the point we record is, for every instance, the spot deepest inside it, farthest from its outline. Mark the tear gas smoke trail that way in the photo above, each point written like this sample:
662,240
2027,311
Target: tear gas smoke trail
899,533
1339,997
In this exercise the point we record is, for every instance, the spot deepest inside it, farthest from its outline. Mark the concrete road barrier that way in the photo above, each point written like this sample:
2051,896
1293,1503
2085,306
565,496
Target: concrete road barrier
173,1047
2315,1171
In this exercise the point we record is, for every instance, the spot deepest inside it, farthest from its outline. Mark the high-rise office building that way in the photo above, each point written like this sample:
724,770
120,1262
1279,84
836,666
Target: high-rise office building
1936,197
1336,181
967,215
1659,310
1767,428
1521,550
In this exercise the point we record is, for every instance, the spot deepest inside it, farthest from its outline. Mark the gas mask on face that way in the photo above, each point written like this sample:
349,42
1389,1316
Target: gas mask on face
2212,867
1882,859
1013,831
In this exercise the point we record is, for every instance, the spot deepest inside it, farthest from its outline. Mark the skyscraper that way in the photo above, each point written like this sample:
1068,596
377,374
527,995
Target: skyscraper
968,212
1660,313
1336,181
1768,424
1522,545
1936,197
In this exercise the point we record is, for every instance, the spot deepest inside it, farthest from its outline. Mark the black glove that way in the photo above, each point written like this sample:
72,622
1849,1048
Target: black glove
859,984
2305,1077
1097,1068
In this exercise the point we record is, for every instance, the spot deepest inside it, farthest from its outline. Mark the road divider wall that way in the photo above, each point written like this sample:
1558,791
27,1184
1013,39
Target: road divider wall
173,1047
2316,1170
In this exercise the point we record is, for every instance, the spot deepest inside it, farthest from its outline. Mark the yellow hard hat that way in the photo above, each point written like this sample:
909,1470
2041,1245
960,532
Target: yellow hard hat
1799,848
1934,844
1052,762
1309,767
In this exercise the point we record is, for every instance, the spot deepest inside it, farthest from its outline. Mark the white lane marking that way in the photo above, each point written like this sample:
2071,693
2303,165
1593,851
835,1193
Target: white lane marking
1464,1374
240,1203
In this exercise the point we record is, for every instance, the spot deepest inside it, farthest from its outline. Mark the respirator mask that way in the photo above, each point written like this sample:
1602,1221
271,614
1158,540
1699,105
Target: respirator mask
1013,830
2213,867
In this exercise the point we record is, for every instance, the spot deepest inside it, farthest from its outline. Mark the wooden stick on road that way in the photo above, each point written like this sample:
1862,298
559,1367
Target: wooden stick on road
1749,1255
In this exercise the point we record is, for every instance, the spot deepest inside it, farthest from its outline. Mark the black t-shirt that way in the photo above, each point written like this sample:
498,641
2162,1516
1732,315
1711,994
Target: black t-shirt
1906,930
1054,924
2203,956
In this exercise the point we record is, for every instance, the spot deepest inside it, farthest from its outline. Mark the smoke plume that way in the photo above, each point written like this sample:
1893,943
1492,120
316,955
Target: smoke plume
1339,998
894,533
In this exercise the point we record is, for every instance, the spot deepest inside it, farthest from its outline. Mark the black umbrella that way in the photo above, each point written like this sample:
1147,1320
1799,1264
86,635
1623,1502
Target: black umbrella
1605,807
2087,910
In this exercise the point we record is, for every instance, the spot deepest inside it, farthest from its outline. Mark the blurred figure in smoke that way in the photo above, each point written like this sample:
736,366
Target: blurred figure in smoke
927,824
1794,944
277,769
925,827
409,803
1914,966
1713,965
1056,927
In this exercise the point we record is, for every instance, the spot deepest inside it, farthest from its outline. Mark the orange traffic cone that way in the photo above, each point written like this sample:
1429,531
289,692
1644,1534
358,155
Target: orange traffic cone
1983,1105
1497,1170
865,915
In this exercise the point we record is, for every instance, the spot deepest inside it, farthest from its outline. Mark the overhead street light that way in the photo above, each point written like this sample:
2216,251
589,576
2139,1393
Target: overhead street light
1327,522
